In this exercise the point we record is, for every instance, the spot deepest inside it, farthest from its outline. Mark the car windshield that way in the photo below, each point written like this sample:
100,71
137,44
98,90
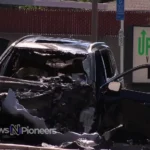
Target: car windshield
34,64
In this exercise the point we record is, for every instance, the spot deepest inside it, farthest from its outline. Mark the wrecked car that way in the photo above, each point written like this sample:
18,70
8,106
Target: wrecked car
71,86
55,79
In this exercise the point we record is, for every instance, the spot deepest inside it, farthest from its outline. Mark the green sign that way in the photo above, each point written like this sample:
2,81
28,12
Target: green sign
143,44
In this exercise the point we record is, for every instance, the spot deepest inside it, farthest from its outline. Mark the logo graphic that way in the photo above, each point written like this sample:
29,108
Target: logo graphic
18,129
144,45
15,130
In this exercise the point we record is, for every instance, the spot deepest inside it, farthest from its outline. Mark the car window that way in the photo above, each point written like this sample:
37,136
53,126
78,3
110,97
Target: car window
25,64
109,63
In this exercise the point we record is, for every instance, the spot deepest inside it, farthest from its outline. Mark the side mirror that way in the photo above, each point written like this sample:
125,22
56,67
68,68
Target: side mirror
114,86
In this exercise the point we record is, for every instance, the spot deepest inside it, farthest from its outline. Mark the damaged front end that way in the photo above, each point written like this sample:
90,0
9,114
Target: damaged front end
48,90
60,105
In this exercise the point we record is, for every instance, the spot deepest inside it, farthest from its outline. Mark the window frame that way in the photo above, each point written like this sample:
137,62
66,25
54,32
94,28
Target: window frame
4,60
112,64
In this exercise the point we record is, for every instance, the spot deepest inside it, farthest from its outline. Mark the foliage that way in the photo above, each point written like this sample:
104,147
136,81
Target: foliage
31,7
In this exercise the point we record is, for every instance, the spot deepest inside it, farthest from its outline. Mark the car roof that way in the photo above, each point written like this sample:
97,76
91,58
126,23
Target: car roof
51,47
49,43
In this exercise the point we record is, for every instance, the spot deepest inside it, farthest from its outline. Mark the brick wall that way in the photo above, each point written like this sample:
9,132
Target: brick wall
65,21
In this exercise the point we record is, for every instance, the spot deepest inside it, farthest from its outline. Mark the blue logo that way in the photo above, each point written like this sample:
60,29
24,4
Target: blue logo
15,129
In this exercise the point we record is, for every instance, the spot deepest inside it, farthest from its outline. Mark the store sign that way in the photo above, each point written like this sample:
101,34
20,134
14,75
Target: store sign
120,10
141,54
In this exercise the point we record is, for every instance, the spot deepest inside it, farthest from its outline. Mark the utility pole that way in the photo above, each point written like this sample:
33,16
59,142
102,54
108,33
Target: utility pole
94,29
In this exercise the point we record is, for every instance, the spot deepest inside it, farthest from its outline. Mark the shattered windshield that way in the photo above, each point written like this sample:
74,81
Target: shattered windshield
37,64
